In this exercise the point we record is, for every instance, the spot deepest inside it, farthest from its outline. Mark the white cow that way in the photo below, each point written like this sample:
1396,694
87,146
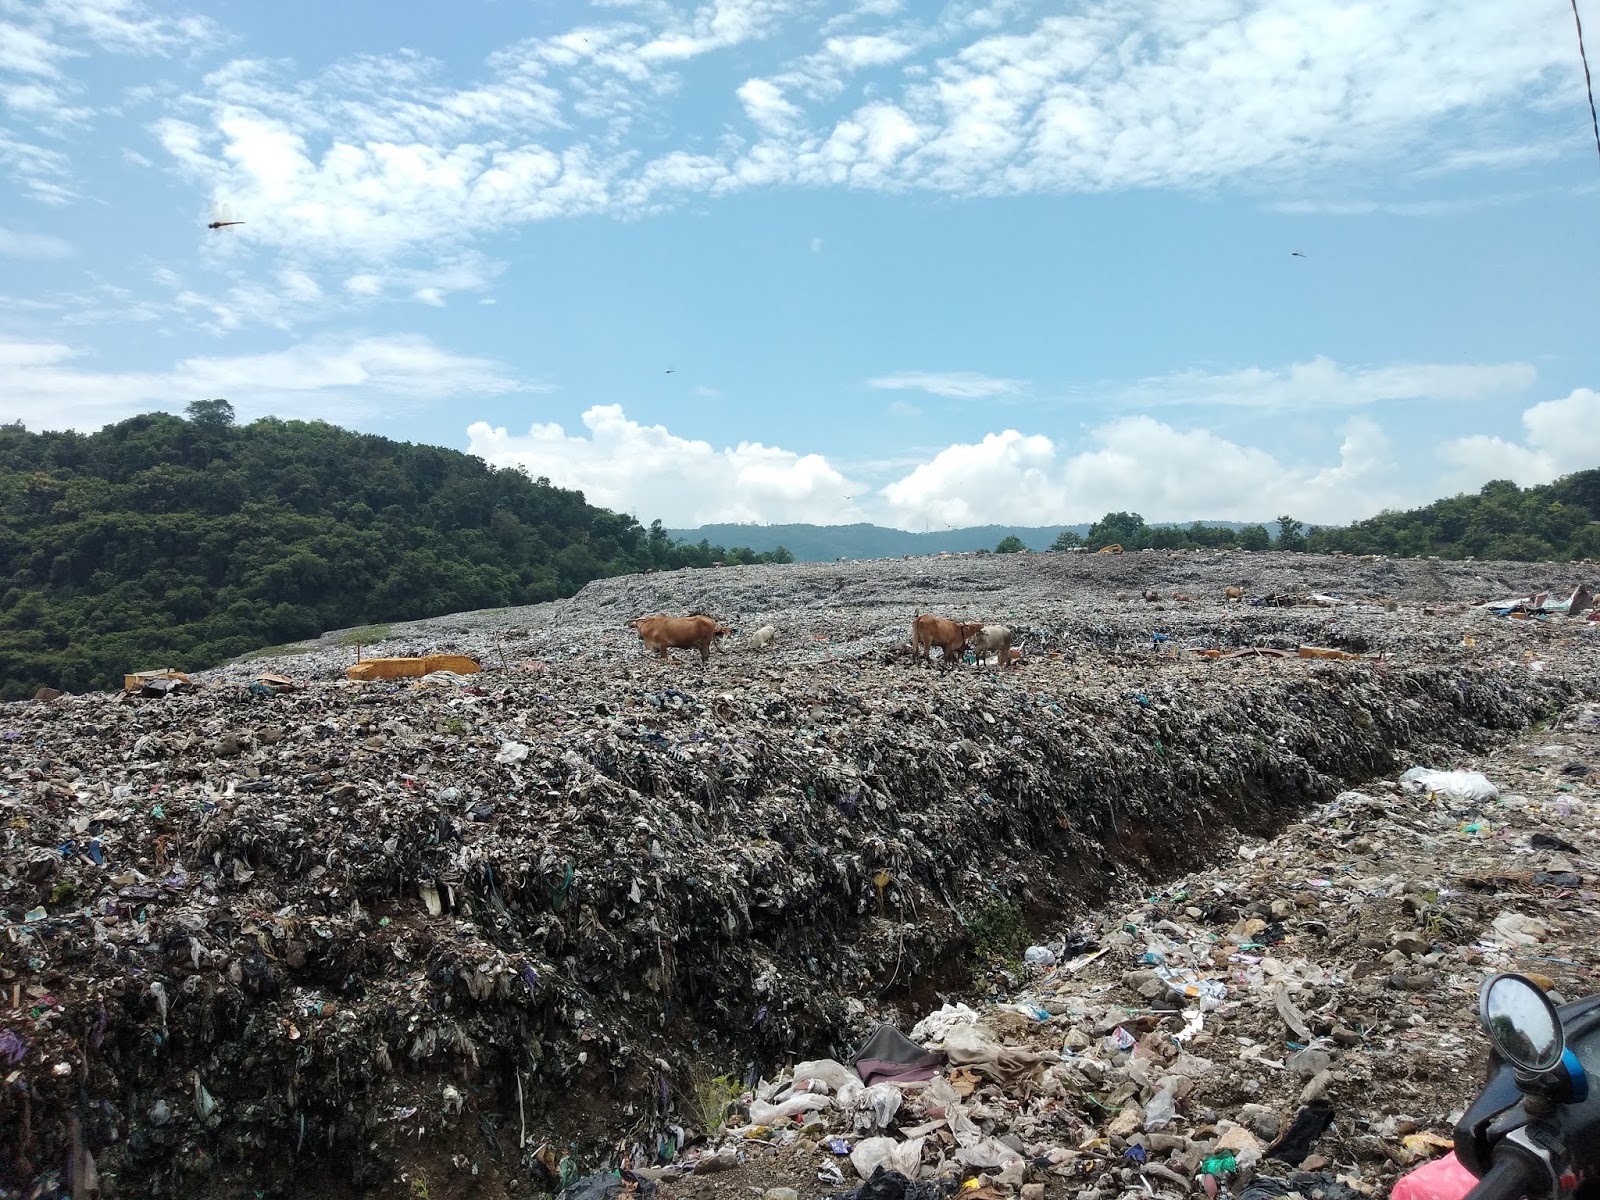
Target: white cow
993,639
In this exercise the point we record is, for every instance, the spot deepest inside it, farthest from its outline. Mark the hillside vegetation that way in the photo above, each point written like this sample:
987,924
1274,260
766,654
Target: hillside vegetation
164,541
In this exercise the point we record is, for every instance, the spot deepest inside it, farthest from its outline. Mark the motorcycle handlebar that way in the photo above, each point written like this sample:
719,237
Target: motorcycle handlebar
1511,1178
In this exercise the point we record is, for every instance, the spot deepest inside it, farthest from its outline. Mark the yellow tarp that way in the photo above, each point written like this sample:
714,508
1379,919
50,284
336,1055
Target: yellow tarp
411,668
133,682
1325,652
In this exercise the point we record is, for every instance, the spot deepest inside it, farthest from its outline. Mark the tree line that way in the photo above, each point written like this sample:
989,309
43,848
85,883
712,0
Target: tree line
1554,522
164,541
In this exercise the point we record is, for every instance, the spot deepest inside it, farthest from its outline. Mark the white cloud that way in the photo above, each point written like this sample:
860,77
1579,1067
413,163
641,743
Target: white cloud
765,106
1137,464
960,385
1562,436
325,378
903,408
1134,463
650,471
816,245
376,156
1322,383
14,244
37,40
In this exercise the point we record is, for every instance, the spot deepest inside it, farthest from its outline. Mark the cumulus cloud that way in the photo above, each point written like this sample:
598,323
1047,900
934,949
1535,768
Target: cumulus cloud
46,387
957,385
1561,436
650,471
1137,463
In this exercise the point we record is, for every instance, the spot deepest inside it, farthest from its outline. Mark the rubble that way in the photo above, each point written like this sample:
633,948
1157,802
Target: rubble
496,931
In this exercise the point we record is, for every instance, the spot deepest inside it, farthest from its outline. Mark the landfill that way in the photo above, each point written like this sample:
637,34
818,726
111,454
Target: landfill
1119,918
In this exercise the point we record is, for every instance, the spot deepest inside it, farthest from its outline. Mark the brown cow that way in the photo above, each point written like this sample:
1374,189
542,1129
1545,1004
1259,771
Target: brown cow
1233,593
660,634
950,636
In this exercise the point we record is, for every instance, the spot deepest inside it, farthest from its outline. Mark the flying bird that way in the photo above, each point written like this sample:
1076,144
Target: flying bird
1296,254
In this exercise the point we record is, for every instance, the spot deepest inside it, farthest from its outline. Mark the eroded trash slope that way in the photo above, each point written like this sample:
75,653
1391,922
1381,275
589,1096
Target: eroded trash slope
1300,1018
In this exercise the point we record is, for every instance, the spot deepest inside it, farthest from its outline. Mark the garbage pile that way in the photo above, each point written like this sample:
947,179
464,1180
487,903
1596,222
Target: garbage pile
499,928
1301,1019
1056,603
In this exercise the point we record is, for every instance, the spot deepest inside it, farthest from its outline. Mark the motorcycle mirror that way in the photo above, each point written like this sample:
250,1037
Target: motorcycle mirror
1521,1022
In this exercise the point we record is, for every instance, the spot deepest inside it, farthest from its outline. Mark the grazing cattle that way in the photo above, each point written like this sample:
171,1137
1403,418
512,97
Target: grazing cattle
1152,597
996,640
762,637
660,634
1234,593
950,636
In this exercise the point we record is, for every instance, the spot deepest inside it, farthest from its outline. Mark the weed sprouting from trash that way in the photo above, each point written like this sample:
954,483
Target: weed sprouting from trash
710,1098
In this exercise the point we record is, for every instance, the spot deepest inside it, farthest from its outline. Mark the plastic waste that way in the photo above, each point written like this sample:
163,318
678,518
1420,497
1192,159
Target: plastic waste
874,1154
1041,956
886,1184
1465,787
767,1114
1160,1110
608,1185
1440,1179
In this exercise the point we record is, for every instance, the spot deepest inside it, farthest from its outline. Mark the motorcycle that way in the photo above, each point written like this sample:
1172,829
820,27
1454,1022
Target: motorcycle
1534,1130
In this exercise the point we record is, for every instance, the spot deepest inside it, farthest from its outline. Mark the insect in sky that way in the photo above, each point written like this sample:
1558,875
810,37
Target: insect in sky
222,216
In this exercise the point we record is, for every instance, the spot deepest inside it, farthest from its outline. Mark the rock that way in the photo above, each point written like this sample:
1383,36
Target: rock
1126,1122
781,1193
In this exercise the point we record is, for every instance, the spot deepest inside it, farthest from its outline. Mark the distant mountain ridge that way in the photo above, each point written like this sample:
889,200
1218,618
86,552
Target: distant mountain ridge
825,543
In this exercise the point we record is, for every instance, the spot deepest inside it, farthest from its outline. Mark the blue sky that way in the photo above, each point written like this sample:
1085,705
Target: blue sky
784,260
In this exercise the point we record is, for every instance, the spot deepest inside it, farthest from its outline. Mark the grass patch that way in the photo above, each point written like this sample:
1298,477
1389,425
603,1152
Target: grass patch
288,650
365,636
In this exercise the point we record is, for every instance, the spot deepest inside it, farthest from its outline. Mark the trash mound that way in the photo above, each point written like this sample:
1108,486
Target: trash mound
1300,1020
498,923
1065,603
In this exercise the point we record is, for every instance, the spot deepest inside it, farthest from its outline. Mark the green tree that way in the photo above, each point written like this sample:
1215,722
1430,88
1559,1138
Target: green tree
1010,544
1291,534
1067,539
1254,537
210,414
1127,530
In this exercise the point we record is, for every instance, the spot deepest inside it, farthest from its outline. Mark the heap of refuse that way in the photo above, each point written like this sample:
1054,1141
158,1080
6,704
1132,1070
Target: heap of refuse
502,927
1300,1020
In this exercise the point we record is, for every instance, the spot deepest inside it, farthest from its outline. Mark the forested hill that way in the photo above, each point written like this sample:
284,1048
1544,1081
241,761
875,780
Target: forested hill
1554,521
163,541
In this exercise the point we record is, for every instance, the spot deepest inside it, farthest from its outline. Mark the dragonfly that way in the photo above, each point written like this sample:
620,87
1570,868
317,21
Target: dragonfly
222,216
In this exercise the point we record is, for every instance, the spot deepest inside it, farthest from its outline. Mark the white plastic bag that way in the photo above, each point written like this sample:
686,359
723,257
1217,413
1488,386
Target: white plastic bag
765,1114
1464,787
